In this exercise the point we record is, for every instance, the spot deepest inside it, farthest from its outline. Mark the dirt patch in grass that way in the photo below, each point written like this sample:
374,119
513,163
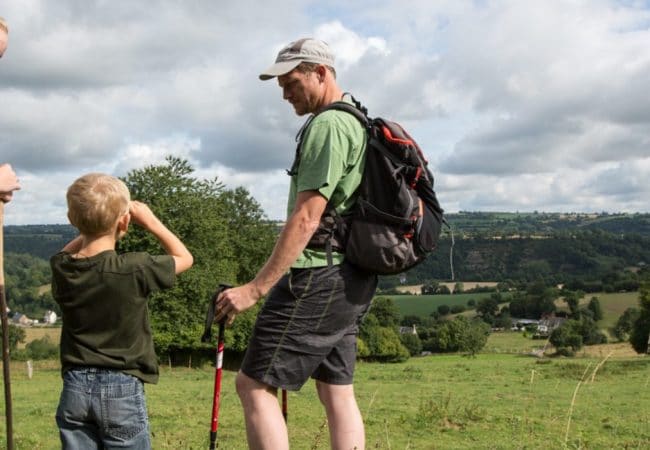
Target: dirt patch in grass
618,350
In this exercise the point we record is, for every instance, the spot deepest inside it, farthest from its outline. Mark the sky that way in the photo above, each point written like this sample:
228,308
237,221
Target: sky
518,105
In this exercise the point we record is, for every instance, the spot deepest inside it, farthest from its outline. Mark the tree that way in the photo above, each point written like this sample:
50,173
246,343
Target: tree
15,336
384,309
410,320
459,335
429,288
217,226
625,324
566,339
443,310
378,331
640,332
535,302
594,307
572,299
573,334
384,345
443,290
487,308
412,343
503,320
25,276
255,235
457,309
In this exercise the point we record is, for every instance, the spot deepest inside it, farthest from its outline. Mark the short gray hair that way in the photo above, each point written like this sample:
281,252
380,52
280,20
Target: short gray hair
306,67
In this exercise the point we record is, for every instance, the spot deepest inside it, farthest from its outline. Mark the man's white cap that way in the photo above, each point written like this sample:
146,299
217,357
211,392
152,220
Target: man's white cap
303,50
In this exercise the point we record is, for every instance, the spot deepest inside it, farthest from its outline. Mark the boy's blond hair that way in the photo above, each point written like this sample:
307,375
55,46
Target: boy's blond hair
4,26
95,202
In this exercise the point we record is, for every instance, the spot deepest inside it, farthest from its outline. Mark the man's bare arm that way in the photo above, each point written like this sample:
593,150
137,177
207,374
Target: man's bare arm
293,239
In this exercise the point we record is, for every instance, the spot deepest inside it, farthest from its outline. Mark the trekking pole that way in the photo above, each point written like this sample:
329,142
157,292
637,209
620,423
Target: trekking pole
217,388
207,335
5,338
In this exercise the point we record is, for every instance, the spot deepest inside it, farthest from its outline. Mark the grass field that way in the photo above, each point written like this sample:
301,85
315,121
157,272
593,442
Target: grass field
33,333
501,399
613,305
492,401
424,305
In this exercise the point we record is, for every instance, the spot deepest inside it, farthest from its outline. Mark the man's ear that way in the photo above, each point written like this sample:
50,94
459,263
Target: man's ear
321,71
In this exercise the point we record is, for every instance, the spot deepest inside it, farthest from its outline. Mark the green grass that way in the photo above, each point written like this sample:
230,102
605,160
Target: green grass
437,402
613,306
512,342
424,305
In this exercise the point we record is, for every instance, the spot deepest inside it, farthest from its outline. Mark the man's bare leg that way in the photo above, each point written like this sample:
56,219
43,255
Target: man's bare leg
265,426
343,416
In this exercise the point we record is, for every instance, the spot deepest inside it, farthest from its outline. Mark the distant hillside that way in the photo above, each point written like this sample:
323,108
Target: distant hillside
586,254
489,246
545,224
37,240
529,246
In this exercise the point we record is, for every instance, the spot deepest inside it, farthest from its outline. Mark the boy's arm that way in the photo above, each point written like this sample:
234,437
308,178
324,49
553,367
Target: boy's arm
143,216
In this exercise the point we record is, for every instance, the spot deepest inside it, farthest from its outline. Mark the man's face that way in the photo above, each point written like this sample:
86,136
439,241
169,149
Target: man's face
302,90
3,41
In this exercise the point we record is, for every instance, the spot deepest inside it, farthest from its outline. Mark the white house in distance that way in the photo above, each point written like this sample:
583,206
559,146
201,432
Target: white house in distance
49,318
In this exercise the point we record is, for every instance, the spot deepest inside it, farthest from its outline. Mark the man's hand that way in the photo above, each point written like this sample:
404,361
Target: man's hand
8,183
235,301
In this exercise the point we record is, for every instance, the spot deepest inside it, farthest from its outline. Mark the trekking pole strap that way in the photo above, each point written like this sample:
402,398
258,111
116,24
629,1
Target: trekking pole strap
209,318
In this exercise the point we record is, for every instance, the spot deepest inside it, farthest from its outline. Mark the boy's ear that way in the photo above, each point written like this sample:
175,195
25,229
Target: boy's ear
123,223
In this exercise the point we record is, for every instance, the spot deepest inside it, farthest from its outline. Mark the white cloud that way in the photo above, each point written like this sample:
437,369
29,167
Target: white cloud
517,105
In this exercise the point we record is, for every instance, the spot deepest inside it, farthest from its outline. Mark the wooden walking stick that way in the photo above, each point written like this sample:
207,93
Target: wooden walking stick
5,337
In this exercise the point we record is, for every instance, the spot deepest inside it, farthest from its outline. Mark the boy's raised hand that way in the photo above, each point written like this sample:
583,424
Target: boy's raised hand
142,215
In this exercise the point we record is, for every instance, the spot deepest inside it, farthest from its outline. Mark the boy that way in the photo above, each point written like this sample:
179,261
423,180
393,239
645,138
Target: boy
106,344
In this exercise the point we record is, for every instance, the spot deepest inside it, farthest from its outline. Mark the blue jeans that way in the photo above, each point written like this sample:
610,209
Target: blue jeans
102,409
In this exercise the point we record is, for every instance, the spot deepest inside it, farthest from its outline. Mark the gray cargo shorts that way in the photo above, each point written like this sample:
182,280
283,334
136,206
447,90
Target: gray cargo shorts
308,326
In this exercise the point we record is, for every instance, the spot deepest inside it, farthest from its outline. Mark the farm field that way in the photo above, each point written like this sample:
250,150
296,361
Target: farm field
492,401
33,333
417,288
424,305
613,305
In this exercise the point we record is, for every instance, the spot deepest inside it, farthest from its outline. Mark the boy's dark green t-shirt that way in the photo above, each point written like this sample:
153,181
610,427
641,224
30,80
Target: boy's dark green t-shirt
103,300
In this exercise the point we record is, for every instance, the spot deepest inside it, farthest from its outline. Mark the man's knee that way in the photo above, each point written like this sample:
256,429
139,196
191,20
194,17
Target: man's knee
243,384
329,394
246,385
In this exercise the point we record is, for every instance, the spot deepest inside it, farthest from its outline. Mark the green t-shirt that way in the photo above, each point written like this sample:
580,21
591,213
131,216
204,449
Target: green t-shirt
332,158
105,315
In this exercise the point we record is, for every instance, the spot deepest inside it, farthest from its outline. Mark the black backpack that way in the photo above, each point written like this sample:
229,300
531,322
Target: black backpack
396,220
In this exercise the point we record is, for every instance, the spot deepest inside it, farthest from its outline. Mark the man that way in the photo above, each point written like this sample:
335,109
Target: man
309,321
8,183
4,36
8,179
